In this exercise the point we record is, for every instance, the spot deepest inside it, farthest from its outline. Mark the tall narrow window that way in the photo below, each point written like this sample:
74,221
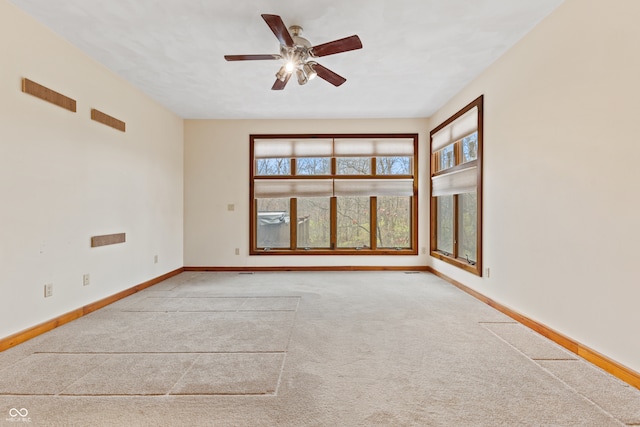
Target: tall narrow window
456,189
334,194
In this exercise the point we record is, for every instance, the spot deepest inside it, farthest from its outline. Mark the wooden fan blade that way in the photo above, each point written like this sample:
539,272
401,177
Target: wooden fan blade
328,75
337,46
279,29
279,84
250,57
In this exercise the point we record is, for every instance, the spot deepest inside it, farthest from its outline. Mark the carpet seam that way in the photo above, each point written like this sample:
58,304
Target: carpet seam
61,393
161,352
170,389
566,385
284,359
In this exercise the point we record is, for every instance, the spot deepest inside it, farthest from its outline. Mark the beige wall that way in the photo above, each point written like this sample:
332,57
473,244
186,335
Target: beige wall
217,174
562,183
64,178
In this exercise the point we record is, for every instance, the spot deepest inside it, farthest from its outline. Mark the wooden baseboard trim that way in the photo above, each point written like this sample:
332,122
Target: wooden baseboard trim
307,268
27,334
611,366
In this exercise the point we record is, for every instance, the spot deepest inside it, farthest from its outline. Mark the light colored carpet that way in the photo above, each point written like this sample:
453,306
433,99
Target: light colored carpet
304,349
187,332
531,344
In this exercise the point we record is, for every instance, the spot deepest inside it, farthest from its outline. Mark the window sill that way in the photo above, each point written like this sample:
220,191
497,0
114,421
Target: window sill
349,251
458,262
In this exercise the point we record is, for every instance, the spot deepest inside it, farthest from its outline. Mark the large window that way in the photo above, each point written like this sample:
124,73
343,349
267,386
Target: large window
334,194
456,189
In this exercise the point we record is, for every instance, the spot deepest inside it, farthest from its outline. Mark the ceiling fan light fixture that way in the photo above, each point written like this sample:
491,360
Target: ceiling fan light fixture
282,73
302,77
309,71
289,66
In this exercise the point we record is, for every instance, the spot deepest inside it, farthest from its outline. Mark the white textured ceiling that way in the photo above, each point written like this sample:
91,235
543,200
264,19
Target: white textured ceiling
416,54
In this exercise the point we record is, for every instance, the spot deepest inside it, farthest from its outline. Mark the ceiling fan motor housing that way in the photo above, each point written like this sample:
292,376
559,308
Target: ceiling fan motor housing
301,50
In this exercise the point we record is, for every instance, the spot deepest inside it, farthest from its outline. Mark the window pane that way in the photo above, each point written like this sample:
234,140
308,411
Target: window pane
446,158
394,222
353,222
470,147
273,223
279,166
313,166
353,165
445,224
467,226
393,165
314,222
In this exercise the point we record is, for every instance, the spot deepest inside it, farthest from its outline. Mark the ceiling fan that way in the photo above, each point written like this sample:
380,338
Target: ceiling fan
298,54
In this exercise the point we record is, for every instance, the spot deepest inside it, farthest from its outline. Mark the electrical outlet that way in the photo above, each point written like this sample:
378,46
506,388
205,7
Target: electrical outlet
48,290
231,207
423,250
155,259
237,251
85,280
487,272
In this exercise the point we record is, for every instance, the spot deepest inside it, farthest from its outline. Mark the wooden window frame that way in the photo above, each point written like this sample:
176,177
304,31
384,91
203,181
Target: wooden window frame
333,249
455,258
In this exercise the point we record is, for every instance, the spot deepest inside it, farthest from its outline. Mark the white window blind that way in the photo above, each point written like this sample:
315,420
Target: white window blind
347,147
462,181
288,148
383,147
463,126
373,187
285,188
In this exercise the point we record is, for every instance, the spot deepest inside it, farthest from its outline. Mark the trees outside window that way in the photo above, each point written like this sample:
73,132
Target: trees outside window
314,213
393,227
